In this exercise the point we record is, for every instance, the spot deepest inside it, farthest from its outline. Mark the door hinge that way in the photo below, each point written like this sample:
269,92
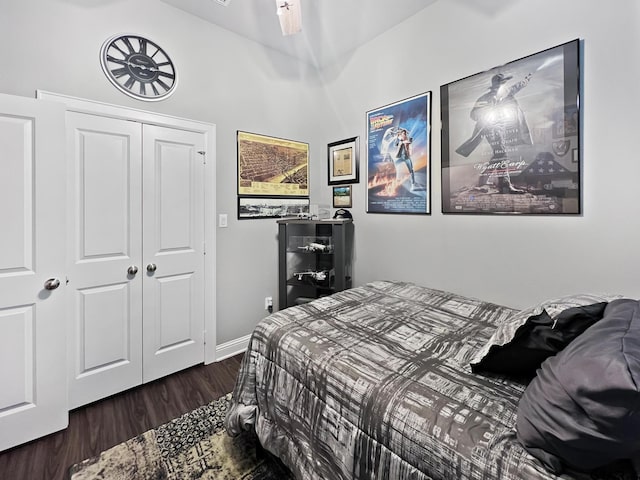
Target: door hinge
204,248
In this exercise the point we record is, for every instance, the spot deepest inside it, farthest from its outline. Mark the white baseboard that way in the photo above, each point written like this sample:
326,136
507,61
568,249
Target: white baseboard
232,347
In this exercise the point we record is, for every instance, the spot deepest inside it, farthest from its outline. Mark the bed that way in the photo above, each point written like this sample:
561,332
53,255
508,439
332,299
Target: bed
375,382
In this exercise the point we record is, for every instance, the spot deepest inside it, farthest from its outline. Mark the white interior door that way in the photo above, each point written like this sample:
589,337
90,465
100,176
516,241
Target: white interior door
173,250
33,397
104,251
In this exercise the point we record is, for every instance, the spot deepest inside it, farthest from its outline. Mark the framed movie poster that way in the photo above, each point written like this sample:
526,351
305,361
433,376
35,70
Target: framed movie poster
271,166
511,137
343,161
398,157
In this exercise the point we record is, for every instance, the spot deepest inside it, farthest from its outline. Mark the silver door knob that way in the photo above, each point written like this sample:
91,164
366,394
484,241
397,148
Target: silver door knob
151,267
52,284
132,270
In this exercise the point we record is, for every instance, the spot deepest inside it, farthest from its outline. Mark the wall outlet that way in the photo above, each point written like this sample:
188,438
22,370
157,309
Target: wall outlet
268,303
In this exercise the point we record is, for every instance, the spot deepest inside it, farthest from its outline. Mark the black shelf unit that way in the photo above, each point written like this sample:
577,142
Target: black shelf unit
315,259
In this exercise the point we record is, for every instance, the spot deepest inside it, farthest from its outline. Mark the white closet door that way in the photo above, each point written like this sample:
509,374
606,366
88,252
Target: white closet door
173,246
33,397
105,248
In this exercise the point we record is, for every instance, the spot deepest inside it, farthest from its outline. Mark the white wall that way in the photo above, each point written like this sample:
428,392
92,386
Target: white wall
53,45
234,83
507,259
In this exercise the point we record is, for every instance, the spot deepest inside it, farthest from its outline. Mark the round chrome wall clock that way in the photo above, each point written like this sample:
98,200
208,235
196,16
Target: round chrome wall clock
138,67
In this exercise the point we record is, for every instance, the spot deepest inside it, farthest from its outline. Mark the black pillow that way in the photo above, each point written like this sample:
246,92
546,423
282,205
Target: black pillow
539,338
583,407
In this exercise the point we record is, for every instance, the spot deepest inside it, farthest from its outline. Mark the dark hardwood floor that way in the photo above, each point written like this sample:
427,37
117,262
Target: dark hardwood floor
100,425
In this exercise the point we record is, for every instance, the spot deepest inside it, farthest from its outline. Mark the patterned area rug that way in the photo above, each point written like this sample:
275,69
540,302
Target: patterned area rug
194,446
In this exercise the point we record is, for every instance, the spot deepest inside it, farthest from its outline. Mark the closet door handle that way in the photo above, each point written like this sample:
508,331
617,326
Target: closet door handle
51,284
151,267
132,270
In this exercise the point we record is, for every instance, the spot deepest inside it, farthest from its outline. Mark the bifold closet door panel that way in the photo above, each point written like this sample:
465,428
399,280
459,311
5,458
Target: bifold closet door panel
104,256
173,246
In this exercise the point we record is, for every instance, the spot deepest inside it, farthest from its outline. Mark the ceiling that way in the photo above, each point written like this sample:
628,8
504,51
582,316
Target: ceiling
330,28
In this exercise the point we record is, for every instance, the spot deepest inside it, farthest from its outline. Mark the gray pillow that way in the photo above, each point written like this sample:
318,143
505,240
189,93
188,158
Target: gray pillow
582,410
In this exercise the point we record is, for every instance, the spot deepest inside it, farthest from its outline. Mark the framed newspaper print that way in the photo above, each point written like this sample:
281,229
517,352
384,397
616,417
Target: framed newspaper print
398,157
343,161
511,137
270,166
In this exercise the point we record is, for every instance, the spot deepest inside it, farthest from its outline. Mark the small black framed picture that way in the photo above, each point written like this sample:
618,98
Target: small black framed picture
342,197
343,159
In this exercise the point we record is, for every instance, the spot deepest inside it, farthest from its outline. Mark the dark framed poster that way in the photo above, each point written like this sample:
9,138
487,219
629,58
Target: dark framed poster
399,157
511,137
271,166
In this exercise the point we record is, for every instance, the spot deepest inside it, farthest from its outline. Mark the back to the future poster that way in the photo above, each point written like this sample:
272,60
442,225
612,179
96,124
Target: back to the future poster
398,157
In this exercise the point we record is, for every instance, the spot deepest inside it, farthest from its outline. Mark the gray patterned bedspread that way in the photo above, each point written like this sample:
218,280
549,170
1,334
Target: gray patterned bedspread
373,383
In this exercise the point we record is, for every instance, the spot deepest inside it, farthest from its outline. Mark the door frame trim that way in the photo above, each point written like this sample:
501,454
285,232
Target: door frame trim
93,107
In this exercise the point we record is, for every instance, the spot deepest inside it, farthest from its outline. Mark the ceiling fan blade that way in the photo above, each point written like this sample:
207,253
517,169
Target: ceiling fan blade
290,16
